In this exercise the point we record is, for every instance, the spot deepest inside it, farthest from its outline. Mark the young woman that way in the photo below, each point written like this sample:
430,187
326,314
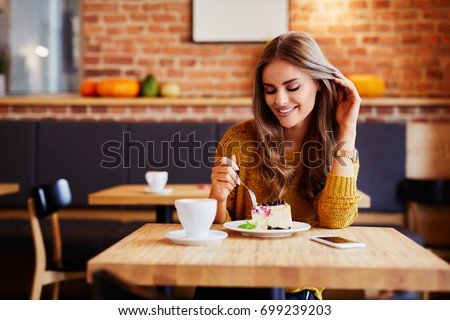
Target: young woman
300,146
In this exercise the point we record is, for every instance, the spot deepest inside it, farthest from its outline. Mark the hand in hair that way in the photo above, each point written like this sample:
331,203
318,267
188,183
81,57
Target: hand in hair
349,102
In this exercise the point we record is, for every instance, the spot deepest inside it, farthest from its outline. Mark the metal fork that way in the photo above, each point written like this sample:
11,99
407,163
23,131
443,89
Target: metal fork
250,191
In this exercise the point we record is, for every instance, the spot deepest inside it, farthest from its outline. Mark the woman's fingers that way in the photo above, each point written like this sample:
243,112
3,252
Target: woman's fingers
231,166
224,178
348,86
225,174
230,162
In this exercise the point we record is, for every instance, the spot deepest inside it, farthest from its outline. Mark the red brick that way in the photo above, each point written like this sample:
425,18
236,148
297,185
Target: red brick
434,74
383,3
411,39
114,18
357,4
365,110
187,62
361,27
138,109
100,8
381,28
179,109
38,109
100,109
90,19
370,39
444,27
52,119
401,27
357,51
428,110
407,110
166,62
78,109
118,109
118,60
139,17
134,29
164,18
402,3
385,110
20,109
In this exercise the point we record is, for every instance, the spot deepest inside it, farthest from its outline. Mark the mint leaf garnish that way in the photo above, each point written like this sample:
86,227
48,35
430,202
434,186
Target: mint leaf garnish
247,225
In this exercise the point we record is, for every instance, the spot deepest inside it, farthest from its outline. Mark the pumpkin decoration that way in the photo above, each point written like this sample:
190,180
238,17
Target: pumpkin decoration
368,85
88,88
118,88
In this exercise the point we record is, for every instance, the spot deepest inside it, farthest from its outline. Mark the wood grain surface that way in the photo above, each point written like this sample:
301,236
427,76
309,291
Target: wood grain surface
389,261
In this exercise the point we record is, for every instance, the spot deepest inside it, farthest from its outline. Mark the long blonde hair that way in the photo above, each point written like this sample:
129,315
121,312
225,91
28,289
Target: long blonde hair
301,50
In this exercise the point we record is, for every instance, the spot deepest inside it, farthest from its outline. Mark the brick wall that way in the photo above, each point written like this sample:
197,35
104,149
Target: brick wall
194,113
406,42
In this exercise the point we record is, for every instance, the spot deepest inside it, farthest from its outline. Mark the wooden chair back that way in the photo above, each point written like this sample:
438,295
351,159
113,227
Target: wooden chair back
44,202
428,182
428,150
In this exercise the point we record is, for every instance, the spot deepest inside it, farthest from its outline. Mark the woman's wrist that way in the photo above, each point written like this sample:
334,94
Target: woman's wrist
347,139
221,213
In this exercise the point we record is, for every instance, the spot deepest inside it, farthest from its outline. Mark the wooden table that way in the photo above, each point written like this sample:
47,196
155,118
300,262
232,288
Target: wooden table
389,261
134,194
8,188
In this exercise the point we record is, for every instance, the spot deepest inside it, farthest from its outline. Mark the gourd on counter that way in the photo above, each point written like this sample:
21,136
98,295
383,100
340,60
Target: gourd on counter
149,86
88,88
123,87
170,89
369,86
118,88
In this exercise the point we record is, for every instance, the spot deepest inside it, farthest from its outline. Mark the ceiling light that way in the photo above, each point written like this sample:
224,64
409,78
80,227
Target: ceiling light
41,51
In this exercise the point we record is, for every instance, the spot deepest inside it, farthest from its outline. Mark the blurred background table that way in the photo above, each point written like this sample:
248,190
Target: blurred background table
8,188
136,194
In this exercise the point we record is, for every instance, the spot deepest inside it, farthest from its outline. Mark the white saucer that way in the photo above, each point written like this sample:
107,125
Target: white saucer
214,237
296,227
164,191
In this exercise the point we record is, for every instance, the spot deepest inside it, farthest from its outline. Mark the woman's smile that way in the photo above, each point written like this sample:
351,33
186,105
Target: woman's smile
287,112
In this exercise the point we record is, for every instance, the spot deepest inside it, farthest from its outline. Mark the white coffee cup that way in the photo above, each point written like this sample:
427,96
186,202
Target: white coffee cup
156,180
196,216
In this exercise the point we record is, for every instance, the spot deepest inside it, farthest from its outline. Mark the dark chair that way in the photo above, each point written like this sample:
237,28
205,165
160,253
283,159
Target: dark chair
44,202
108,286
428,210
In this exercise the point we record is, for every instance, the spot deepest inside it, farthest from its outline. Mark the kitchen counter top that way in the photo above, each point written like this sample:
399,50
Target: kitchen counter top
74,99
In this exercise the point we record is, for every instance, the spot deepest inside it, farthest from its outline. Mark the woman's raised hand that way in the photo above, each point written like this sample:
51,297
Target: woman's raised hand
348,106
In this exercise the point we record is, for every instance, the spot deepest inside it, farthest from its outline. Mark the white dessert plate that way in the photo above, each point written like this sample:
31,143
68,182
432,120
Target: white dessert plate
179,237
164,191
296,227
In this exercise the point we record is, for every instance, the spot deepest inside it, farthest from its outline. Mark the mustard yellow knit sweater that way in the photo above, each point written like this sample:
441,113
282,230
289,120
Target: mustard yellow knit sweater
335,207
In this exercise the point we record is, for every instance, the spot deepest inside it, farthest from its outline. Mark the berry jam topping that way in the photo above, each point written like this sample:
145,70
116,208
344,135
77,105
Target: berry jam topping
274,203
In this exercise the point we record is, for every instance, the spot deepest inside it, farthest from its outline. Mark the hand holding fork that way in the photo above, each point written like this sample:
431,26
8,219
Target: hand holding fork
224,179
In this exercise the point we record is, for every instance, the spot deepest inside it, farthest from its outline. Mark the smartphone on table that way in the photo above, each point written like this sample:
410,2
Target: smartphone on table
338,242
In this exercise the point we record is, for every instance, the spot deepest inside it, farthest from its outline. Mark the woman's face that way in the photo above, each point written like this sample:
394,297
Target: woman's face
289,92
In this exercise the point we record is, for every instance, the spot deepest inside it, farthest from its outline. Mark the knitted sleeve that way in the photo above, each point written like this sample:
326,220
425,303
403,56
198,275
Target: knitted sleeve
337,204
232,143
